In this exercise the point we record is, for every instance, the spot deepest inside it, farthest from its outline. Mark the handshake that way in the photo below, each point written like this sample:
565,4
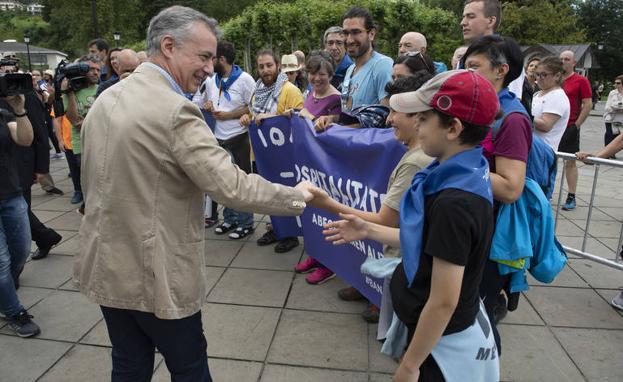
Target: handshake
313,195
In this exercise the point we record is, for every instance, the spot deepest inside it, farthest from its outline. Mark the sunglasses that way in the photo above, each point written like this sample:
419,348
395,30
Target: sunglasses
417,53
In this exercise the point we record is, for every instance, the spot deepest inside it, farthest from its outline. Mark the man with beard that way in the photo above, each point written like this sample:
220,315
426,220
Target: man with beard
274,95
334,42
230,93
365,80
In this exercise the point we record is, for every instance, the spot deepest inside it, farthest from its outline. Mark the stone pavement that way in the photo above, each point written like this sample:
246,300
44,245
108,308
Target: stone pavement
264,323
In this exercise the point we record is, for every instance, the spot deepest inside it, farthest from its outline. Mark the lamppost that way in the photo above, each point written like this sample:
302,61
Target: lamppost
27,42
117,37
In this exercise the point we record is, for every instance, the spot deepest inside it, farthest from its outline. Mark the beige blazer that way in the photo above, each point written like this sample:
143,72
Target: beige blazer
147,159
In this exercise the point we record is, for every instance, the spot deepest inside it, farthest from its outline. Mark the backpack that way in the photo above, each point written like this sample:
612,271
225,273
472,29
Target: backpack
542,162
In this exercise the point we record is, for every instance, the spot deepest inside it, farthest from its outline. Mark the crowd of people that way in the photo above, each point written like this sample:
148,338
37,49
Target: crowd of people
143,167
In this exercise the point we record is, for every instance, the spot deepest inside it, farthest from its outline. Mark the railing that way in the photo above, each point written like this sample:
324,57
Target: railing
598,162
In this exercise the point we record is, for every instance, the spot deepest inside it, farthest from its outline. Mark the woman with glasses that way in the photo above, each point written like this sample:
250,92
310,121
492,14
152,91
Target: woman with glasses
550,105
613,112
410,63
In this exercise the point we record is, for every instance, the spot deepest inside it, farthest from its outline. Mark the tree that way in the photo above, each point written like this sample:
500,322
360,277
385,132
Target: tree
603,20
534,21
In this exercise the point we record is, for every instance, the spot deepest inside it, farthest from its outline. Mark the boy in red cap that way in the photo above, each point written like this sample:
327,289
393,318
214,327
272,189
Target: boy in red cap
446,226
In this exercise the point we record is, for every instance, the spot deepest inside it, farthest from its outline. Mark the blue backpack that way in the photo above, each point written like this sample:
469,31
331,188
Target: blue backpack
541,166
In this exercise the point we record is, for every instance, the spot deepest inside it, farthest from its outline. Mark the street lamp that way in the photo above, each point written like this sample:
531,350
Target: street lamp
27,42
117,37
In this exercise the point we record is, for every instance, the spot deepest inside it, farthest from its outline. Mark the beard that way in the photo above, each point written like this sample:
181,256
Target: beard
364,47
269,79
219,69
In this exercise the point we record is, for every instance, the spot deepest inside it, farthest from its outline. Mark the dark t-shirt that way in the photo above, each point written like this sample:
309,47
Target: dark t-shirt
9,177
458,227
512,141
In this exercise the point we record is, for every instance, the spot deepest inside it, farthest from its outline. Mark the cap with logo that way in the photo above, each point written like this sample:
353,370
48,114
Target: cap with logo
463,94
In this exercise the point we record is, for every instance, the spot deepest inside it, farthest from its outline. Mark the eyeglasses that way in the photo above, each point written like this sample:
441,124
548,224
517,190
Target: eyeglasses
541,74
417,53
353,32
617,82
334,42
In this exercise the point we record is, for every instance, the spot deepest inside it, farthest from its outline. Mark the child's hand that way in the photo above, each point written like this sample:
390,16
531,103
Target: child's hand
352,228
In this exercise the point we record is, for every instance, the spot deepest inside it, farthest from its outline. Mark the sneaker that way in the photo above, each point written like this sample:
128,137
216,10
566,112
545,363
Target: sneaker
57,156
307,266
569,204
617,301
77,198
320,276
23,326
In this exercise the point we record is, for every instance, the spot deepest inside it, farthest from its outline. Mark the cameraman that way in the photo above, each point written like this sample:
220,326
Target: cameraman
77,103
33,166
15,129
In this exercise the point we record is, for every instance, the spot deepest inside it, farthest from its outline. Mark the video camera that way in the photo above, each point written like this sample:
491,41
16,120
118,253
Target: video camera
14,84
9,62
76,75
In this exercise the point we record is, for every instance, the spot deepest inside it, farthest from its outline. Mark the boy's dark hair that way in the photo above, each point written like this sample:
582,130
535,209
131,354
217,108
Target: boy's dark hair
226,49
268,52
499,50
492,8
359,12
471,134
319,59
100,43
408,84
417,61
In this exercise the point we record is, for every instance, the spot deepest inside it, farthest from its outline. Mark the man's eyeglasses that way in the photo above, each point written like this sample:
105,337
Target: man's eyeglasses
353,32
334,42
617,82
541,74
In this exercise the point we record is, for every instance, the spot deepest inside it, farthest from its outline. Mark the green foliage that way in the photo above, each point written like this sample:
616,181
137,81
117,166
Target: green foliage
300,24
535,21
603,20
13,25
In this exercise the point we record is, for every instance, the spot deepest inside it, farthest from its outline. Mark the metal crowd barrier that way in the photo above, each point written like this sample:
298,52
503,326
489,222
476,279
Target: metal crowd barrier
597,162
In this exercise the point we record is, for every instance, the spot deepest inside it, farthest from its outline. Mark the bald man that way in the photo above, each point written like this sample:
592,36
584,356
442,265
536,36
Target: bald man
416,42
127,61
578,90
142,56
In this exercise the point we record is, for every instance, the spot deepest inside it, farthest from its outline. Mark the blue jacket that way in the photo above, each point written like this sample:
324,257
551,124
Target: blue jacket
525,230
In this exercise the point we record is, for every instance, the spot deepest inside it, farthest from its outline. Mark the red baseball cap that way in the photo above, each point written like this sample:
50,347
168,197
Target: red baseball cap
463,94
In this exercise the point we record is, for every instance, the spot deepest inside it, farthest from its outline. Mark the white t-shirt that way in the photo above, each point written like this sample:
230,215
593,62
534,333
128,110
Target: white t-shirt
516,86
554,102
240,93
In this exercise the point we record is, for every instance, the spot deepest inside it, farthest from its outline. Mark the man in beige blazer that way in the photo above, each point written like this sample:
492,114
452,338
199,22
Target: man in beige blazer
148,157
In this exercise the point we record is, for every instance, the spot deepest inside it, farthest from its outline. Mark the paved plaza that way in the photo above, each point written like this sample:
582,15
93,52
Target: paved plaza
265,323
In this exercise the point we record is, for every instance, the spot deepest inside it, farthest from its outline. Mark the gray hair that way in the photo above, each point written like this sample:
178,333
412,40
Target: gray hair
175,21
332,30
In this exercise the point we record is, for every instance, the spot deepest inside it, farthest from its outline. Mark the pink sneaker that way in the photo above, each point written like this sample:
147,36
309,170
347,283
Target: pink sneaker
306,266
320,275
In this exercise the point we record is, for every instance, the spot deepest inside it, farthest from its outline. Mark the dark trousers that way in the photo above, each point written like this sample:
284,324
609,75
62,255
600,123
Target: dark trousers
41,235
490,287
609,135
239,147
74,169
135,336
53,138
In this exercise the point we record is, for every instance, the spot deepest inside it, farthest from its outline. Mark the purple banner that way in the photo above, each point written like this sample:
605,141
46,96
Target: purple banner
352,165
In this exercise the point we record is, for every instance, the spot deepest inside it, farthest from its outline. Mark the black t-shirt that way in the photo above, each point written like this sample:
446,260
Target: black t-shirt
458,227
9,177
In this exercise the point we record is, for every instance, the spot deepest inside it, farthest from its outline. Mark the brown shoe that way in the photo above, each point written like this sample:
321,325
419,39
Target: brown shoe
350,294
371,314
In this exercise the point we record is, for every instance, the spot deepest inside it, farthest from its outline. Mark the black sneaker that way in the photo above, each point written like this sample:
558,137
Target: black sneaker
23,326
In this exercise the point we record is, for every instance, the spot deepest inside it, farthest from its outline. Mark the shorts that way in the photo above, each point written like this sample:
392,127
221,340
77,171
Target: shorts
570,141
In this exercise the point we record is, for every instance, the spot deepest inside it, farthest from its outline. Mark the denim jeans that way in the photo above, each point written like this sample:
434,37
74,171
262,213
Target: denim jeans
135,335
14,250
240,151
